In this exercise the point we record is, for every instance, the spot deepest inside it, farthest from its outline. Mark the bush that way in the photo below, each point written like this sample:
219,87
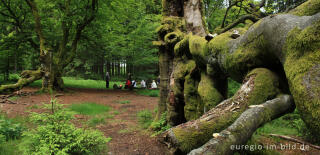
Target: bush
55,134
10,129
145,118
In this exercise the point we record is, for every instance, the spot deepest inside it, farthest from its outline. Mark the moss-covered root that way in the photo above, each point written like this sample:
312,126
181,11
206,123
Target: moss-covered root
243,128
259,86
302,68
27,77
209,95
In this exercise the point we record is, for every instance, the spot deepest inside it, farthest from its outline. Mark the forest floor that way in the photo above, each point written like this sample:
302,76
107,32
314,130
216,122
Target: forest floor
121,121
121,124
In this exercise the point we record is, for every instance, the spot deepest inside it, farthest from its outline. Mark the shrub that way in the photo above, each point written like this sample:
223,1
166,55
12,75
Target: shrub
10,129
55,134
145,118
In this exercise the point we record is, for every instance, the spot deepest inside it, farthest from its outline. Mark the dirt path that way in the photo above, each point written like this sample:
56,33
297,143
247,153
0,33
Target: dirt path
127,136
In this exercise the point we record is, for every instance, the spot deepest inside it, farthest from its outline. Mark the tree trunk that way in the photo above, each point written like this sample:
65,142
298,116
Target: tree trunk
287,44
185,137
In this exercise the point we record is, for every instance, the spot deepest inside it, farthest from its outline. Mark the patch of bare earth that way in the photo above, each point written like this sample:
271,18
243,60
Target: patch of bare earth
127,137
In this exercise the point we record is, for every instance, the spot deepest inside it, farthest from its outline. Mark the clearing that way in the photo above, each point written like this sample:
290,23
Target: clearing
120,122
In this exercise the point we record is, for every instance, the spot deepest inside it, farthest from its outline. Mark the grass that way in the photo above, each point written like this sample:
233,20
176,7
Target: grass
96,121
145,118
71,82
290,124
124,102
89,108
148,92
13,98
10,148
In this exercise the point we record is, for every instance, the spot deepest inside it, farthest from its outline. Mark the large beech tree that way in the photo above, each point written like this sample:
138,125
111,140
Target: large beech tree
274,56
58,25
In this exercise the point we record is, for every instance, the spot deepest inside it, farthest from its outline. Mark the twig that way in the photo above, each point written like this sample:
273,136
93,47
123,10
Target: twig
295,140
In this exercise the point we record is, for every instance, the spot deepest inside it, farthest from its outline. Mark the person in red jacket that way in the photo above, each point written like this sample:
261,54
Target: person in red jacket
128,84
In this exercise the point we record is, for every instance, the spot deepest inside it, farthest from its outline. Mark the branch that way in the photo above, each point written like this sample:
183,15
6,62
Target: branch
295,140
240,20
27,77
80,27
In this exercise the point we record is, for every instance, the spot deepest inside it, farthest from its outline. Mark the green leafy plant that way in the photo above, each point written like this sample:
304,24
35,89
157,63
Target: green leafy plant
145,118
125,102
10,129
55,134
161,125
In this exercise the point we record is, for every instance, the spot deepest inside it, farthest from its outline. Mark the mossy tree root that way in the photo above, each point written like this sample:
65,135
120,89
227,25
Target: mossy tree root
27,77
242,129
259,86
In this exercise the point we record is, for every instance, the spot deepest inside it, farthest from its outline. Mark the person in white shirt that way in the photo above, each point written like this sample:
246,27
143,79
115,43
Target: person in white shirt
143,84
134,84
153,85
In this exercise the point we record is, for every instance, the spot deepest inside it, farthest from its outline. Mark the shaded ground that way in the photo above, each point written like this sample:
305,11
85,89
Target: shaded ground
127,136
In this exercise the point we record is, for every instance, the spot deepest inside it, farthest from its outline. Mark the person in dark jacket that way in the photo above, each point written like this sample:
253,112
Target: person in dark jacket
107,79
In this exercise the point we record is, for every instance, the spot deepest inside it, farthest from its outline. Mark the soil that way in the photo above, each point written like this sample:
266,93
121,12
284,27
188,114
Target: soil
128,137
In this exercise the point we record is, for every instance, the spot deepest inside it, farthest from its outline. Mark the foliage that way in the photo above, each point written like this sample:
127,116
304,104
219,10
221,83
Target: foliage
9,129
161,125
55,134
89,108
145,118
233,87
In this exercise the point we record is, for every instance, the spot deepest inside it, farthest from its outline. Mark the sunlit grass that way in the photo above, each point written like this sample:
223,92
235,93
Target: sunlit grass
89,108
71,82
149,92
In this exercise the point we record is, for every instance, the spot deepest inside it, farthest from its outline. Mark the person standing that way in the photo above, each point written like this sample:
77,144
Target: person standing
107,79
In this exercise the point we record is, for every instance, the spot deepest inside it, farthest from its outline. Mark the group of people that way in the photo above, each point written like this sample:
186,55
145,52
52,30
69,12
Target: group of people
130,84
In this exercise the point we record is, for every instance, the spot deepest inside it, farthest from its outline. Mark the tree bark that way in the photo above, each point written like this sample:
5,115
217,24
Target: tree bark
241,130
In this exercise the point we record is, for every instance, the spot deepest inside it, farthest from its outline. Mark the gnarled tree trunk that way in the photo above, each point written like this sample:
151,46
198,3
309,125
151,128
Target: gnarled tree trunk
285,46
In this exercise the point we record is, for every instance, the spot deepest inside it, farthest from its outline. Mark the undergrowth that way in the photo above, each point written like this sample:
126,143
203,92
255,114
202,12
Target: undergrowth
55,134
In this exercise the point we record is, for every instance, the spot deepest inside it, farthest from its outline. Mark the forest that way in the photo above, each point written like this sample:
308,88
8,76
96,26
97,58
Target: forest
214,77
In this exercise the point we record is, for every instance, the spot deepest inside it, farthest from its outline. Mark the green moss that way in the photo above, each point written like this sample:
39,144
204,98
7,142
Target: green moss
173,37
301,68
192,99
170,24
210,96
247,57
182,47
219,43
308,8
266,86
196,136
199,49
